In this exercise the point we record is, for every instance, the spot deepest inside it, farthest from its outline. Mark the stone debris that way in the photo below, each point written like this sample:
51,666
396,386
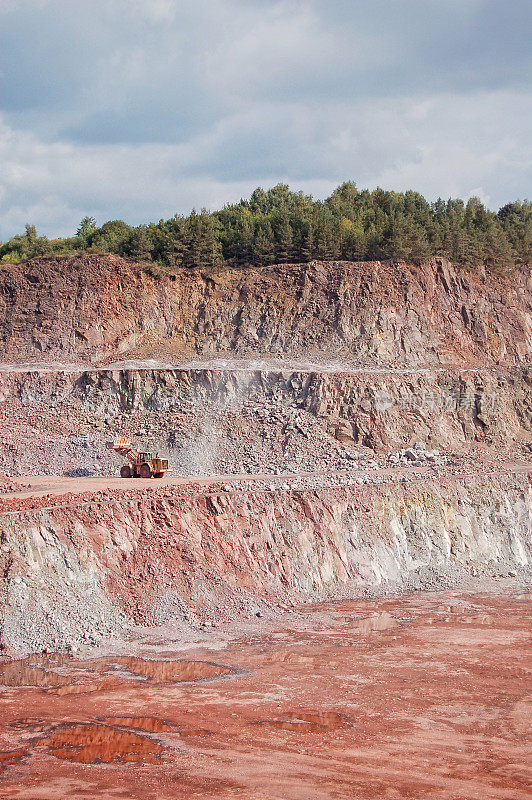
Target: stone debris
416,456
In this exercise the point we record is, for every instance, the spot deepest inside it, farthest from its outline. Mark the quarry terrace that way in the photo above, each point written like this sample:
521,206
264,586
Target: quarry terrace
328,596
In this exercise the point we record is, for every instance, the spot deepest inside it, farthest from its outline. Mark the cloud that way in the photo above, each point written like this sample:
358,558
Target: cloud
140,108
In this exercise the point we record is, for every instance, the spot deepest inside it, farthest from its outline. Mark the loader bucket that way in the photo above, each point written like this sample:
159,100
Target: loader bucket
120,444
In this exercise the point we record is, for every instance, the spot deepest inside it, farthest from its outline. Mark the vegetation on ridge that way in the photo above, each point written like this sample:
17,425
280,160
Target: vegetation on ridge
281,226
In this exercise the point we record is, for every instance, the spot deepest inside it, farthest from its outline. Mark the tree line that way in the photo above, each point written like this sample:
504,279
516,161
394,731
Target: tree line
282,226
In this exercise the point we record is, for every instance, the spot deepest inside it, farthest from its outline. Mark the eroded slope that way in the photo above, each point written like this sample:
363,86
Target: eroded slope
380,313
88,567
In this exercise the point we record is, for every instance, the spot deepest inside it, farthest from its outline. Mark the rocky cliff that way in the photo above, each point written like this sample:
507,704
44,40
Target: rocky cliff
373,422
379,313
219,421
81,571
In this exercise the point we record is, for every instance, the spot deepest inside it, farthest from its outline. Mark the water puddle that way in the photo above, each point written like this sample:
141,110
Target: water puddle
376,622
65,676
149,724
290,659
154,725
452,608
10,757
86,687
161,671
29,724
101,744
30,672
314,721
476,619
455,614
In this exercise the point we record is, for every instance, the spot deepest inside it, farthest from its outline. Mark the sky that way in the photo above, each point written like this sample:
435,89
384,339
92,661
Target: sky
139,109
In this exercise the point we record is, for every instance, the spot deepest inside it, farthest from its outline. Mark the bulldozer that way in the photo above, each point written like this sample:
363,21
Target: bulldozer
141,465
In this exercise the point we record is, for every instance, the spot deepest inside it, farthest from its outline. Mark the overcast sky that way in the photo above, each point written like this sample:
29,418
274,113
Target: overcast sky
137,109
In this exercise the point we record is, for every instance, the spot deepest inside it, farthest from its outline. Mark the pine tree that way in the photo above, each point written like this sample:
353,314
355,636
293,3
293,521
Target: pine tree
263,246
498,253
285,240
516,221
327,238
202,244
86,228
306,252
139,245
408,241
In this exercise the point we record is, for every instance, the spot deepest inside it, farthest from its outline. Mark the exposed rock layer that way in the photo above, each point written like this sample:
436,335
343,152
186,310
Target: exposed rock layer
76,573
297,368
64,418
380,313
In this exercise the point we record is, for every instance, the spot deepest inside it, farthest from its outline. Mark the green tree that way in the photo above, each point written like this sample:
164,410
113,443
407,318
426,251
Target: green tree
408,240
344,200
168,241
498,252
327,240
86,228
516,222
306,250
279,224
263,247
203,247
138,245
112,236
284,238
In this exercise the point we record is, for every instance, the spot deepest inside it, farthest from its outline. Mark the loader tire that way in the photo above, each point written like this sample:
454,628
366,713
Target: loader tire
125,471
145,471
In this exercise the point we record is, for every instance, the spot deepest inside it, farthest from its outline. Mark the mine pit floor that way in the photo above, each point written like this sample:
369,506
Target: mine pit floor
426,695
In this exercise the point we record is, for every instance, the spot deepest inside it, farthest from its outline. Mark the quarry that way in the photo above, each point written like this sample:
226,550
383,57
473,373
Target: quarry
328,596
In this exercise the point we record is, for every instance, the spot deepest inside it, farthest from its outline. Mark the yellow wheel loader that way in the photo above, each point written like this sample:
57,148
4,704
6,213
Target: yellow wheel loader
141,465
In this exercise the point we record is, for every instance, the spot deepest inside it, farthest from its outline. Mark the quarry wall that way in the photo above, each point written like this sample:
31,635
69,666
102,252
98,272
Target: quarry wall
321,368
88,308
75,574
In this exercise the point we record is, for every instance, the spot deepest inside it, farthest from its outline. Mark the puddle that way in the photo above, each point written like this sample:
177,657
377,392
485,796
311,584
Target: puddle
377,622
460,617
150,724
477,619
154,725
101,744
161,671
66,676
290,658
29,724
314,721
26,672
86,687
10,757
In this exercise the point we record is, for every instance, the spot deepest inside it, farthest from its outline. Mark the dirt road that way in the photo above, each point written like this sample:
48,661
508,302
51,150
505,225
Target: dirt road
42,485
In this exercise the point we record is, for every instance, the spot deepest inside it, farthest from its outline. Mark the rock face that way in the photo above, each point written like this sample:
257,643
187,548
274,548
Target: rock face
264,418
379,313
76,574
378,415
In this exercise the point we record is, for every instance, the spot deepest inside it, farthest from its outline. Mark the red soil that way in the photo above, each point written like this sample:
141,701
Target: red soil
433,705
